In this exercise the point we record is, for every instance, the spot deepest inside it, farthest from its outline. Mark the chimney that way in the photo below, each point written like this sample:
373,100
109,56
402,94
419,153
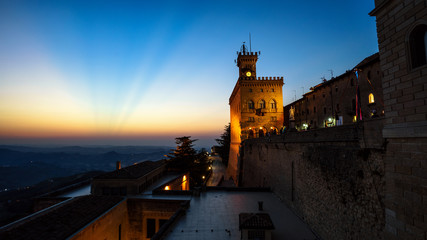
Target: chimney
118,165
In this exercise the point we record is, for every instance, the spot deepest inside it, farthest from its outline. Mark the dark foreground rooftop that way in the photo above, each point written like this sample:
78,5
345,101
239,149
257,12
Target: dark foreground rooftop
60,221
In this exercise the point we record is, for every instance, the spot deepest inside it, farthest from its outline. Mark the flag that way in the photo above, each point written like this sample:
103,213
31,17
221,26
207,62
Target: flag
358,100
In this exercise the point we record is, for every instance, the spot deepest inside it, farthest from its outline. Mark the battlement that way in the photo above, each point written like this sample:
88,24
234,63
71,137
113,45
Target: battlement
245,53
263,78
269,78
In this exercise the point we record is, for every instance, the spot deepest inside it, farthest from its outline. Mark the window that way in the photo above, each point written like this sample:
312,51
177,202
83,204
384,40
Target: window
323,95
338,107
308,111
314,97
151,227
369,75
336,89
417,46
273,119
371,98
352,82
250,89
272,104
250,104
262,90
261,104
324,110
353,104
251,119
314,109
272,90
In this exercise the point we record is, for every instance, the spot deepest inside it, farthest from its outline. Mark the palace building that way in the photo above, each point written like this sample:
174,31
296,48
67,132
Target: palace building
256,107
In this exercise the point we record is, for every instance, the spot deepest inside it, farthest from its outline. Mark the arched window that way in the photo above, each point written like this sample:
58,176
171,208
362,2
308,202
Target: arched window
250,104
273,104
261,104
371,98
417,46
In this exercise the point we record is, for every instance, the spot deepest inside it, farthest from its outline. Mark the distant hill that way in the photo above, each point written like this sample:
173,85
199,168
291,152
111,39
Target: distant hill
22,166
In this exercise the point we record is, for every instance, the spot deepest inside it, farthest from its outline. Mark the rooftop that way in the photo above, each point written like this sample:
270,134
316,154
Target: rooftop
61,220
215,215
134,171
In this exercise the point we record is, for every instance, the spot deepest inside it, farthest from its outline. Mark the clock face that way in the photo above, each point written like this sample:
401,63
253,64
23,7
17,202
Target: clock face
248,73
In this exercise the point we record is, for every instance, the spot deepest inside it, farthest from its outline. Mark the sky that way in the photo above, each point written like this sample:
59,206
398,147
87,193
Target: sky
145,72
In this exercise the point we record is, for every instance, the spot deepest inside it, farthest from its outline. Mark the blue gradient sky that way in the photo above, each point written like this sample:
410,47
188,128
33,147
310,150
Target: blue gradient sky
144,72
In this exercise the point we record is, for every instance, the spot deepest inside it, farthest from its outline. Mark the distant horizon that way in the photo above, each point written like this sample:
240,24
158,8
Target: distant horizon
203,142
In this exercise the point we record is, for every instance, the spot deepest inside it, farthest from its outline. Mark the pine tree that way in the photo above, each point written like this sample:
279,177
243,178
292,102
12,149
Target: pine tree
184,155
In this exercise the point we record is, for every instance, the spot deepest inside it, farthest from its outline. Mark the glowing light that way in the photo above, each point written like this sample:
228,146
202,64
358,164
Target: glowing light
167,188
260,127
330,119
203,177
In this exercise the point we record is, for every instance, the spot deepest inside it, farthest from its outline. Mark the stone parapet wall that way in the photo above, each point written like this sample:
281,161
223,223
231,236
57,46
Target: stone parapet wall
333,178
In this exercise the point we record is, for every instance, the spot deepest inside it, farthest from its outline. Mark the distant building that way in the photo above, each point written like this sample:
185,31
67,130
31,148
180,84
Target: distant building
130,180
256,106
334,102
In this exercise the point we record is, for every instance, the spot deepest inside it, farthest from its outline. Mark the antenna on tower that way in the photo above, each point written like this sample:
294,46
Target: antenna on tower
250,45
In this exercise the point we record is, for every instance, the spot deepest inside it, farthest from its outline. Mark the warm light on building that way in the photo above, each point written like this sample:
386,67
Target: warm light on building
203,177
167,188
185,184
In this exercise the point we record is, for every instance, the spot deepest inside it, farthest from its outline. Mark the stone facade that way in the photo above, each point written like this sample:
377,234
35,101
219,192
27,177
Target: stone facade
333,102
333,178
402,40
256,107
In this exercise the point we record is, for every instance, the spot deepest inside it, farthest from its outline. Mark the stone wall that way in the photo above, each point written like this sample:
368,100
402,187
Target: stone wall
333,178
405,100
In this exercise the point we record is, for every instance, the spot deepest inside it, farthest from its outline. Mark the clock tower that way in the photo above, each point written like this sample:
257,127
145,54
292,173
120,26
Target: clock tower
256,108
246,62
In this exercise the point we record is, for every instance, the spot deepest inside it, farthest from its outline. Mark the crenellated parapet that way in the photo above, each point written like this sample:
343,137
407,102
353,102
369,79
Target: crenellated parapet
262,78
246,53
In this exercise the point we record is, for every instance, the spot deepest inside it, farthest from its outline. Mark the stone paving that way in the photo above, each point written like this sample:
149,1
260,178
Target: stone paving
215,215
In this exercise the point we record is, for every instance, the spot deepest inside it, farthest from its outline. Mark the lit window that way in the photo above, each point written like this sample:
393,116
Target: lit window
272,89
250,104
262,90
371,98
417,46
273,104
261,104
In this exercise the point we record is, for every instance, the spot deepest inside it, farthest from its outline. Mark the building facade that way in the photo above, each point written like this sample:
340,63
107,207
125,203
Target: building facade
256,107
402,41
333,102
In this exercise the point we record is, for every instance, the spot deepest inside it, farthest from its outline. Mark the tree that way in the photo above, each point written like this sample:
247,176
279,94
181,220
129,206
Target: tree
186,159
224,144
184,155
